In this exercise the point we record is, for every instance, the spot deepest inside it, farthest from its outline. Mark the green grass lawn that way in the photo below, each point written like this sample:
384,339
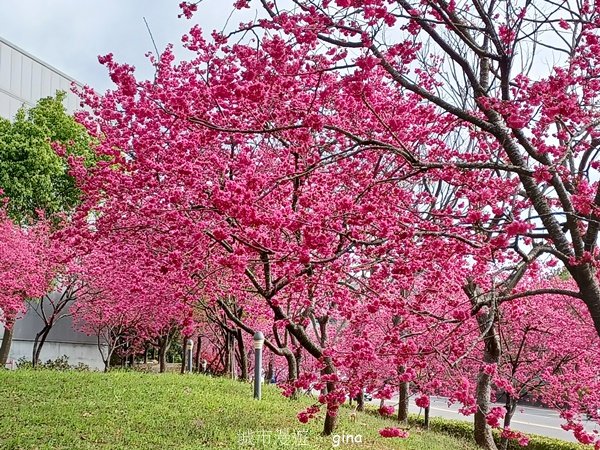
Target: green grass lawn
129,410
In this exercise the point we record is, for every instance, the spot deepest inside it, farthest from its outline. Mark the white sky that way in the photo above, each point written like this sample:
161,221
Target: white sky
70,34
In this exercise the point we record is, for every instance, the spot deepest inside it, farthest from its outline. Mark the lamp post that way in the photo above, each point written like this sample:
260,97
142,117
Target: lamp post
259,340
189,345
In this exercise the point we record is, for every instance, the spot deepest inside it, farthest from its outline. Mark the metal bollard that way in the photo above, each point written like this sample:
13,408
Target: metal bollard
259,340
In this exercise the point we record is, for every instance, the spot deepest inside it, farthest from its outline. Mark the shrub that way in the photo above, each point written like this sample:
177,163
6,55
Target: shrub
61,363
464,430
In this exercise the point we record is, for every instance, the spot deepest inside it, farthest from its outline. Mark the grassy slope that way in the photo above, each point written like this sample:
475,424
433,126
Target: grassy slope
128,410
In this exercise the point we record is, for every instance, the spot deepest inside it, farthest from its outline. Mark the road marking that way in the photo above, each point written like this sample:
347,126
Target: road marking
513,421
538,425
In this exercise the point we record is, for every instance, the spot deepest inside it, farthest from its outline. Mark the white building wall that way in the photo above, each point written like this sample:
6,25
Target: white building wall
24,79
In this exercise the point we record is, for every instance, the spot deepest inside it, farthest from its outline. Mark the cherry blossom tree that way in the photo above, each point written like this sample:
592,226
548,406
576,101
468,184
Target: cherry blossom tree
26,271
344,157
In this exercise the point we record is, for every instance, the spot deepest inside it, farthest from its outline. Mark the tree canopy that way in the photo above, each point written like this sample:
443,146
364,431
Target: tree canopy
33,174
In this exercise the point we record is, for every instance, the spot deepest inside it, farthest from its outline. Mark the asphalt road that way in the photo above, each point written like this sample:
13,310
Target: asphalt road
531,420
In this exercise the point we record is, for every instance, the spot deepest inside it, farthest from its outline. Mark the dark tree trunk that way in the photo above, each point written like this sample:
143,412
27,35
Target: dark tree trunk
331,414
199,355
270,372
483,432
243,357
511,407
50,309
231,370
292,367
292,370
330,423
162,360
124,357
426,421
360,401
403,398
298,358
590,291
486,321
38,343
299,332
184,354
226,354
109,352
491,355
6,342
164,345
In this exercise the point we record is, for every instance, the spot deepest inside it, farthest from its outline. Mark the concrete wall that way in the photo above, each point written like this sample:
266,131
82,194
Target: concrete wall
77,353
62,339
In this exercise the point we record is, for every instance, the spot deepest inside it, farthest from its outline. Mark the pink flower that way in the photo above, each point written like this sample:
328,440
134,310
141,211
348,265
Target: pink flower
393,432
386,410
423,401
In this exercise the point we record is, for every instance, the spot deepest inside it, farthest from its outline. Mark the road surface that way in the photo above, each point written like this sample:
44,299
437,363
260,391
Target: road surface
530,420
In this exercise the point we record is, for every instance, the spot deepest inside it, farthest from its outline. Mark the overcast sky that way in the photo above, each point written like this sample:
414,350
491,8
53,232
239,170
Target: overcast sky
70,34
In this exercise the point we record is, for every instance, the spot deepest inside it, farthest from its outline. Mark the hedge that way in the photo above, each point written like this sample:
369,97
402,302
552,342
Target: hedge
465,430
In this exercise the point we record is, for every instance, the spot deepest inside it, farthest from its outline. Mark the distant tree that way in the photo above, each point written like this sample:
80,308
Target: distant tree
35,149
34,152
25,271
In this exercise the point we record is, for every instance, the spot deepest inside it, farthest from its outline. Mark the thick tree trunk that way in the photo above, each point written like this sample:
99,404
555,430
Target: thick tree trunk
162,360
330,422
243,357
426,421
292,370
360,402
511,407
486,321
483,432
331,415
6,342
298,358
590,291
306,342
270,372
165,344
403,398
291,363
491,355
